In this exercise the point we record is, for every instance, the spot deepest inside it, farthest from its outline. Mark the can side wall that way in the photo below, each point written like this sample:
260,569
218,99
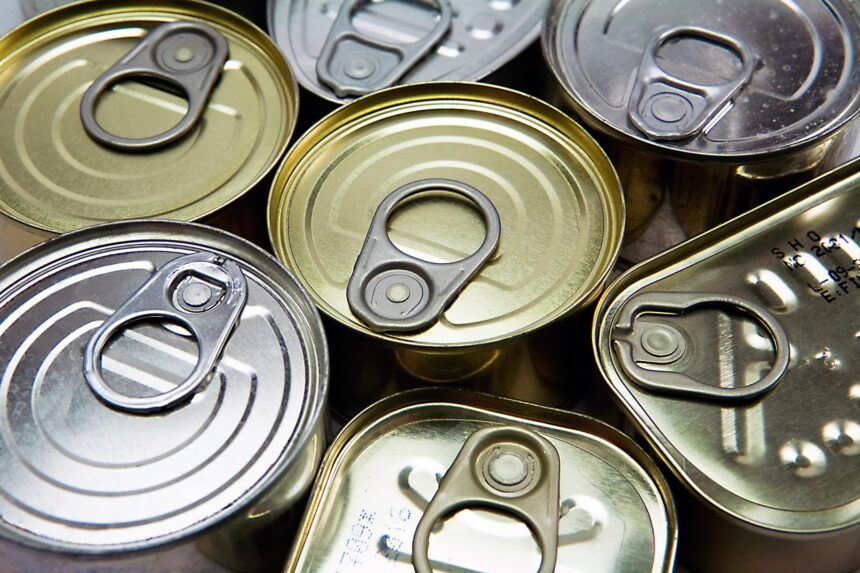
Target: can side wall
553,366
715,544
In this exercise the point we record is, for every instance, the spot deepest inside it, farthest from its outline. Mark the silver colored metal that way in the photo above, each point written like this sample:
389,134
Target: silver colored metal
664,344
509,468
796,59
205,293
185,54
391,290
667,107
481,38
89,487
355,64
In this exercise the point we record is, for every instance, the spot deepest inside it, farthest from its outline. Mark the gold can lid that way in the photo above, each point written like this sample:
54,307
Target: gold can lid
394,470
556,193
55,176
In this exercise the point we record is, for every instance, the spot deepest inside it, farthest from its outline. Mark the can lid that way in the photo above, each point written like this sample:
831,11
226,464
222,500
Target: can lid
736,355
56,176
559,488
346,48
86,469
726,79
557,195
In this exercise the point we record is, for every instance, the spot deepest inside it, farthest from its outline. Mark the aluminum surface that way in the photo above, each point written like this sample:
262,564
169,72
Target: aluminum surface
805,85
383,470
82,477
482,37
55,177
558,197
786,462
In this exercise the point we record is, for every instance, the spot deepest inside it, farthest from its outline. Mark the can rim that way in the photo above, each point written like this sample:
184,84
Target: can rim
25,263
465,91
74,12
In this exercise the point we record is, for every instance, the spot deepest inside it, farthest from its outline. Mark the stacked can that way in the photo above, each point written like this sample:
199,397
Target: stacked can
725,104
164,402
505,218
735,354
85,142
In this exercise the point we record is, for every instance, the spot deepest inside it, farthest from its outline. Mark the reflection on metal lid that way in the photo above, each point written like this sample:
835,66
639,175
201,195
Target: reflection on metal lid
731,78
385,467
84,473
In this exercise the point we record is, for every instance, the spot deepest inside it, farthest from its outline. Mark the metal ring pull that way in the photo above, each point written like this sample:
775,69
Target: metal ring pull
509,468
665,107
353,64
205,293
189,55
390,290
664,345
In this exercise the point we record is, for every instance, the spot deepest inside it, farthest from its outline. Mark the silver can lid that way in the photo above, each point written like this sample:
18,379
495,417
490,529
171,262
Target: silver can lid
346,48
89,470
709,79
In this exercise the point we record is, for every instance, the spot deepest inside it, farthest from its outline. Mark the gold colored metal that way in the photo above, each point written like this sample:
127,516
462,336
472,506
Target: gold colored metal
560,203
784,465
54,177
616,511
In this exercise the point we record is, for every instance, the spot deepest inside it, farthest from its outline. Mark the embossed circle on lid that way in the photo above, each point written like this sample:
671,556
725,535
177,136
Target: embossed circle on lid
81,475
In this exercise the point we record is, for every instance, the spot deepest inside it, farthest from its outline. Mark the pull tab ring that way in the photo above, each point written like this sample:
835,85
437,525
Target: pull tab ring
353,64
189,55
509,468
205,293
390,290
667,346
665,107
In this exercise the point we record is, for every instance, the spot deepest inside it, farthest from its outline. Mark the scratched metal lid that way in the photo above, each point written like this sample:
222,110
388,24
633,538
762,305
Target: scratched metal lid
114,434
717,79
60,173
343,49
557,197
395,473
736,354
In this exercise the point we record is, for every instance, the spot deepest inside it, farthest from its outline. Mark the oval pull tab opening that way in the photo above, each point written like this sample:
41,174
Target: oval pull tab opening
187,57
508,468
353,63
390,290
646,347
203,293
666,107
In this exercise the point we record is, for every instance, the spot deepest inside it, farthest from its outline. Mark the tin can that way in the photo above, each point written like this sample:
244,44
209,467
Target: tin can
589,497
345,49
164,402
735,355
445,170
86,142
723,104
